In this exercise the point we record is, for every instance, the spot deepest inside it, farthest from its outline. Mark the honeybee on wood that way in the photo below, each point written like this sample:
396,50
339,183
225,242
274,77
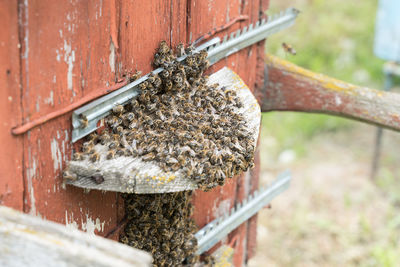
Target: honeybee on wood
118,109
67,175
84,121
78,156
164,48
111,154
87,146
288,49
97,178
135,76
95,157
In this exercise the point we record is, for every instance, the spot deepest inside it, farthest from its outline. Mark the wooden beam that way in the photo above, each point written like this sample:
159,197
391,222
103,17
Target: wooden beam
30,241
291,88
132,175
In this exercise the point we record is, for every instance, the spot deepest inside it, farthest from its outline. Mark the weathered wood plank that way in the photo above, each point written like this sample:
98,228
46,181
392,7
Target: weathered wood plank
291,88
66,54
132,175
31,241
11,182
204,16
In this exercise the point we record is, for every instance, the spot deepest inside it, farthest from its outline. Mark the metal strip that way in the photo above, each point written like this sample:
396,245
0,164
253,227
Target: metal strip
216,230
216,49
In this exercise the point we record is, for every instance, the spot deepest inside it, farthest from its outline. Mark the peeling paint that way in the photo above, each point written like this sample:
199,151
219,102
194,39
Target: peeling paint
111,58
50,99
56,155
90,226
69,58
70,223
222,209
30,174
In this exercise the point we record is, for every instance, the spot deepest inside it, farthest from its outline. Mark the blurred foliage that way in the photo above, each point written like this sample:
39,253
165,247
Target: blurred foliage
336,38
330,37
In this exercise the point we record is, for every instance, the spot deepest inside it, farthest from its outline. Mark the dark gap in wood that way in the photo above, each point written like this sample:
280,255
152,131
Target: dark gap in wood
21,35
188,20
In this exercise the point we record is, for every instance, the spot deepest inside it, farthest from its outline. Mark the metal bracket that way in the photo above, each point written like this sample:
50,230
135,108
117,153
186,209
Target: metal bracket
213,232
217,50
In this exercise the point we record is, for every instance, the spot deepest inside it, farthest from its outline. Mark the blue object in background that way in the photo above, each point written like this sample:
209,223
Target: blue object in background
387,31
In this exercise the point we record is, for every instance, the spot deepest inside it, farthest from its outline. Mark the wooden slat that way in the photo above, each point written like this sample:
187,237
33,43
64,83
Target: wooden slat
291,88
31,241
67,53
11,182
204,16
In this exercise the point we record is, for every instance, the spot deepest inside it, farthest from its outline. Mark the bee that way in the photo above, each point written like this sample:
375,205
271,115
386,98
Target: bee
111,154
97,178
157,82
88,144
135,76
121,151
113,144
180,50
118,109
95,157
84,121
149,157
67,175
190,61
134,104
288,49
164,48
130,116
78,156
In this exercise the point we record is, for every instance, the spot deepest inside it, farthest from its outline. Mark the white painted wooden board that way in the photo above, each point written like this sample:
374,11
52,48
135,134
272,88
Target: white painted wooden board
132,175
26,240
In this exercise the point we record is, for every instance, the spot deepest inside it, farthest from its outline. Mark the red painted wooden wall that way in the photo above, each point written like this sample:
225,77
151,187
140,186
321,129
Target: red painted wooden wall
52,53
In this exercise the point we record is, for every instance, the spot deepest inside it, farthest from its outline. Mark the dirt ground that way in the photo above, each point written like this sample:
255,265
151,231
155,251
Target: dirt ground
333,214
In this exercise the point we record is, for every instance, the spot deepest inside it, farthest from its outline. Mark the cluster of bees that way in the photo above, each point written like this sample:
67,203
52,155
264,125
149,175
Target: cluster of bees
180,123
161,225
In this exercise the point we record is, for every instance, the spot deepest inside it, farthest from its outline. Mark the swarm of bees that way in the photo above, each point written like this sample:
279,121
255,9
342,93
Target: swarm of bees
161,225
180,123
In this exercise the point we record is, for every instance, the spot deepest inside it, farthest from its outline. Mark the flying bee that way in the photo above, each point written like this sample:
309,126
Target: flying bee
95,157
84,121
288,49
78,156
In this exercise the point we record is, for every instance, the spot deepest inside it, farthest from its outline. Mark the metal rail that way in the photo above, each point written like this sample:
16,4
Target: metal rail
213,232
216,49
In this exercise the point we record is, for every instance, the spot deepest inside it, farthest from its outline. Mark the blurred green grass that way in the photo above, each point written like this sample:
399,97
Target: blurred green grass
330,37
335,38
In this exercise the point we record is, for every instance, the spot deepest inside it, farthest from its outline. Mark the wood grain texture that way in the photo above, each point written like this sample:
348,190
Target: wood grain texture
31,241
11,165
291,88
202,17
66,54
